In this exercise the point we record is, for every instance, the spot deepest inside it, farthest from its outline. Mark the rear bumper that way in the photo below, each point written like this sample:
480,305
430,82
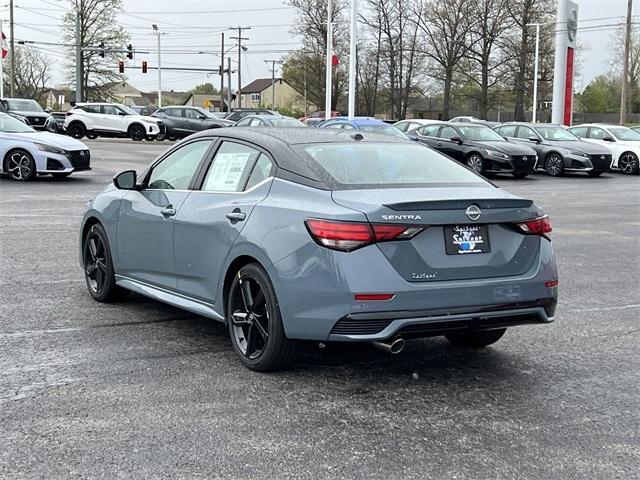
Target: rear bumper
382,325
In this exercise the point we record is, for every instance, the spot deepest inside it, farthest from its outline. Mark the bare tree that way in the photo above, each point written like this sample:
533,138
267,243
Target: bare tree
447,25
31,74
98,25
307,64
486,33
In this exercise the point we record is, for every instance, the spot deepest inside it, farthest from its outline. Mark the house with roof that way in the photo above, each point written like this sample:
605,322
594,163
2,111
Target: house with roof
261,93
207,101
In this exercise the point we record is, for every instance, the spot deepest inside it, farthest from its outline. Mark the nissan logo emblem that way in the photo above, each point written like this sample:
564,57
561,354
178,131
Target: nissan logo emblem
473,212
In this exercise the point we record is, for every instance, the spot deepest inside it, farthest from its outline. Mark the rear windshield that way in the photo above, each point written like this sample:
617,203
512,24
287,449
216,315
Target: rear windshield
383,129
373,165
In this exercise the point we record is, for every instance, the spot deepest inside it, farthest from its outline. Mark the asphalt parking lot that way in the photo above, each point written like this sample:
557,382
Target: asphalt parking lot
144,390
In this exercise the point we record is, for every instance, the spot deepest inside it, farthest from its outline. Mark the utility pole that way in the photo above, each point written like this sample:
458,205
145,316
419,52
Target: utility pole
1,64
222,74
273,81
535,70
229,84
157,32
329,66
625,68
12,48
353,45
239,39
79,65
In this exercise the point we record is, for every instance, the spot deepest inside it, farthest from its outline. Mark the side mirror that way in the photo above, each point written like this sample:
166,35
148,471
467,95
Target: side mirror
202,117
534,139
456,139
122,113
608,139
126,180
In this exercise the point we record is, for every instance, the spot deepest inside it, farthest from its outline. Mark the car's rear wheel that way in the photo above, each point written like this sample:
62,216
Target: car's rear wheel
254,321
77,130
476,339
628,163
137,133
554,165
20,166
98,267
475,163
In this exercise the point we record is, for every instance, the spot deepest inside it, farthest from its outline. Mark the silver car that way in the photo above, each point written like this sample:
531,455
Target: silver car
323,235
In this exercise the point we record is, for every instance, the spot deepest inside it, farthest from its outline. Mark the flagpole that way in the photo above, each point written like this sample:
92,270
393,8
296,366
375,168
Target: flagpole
329,62
352,60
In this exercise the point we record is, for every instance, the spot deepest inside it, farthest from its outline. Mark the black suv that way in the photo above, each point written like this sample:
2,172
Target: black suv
182,120
31,110
478,147
558,149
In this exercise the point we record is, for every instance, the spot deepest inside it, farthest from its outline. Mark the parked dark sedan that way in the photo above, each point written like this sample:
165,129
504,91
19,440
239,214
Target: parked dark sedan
478,147
240,113
29,109
558,149
181,121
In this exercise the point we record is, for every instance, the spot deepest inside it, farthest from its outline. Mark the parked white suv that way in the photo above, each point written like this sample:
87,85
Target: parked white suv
110,119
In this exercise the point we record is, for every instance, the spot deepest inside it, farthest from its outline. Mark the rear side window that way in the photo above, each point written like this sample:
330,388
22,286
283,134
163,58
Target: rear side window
362,165
509,131
230,168
261,171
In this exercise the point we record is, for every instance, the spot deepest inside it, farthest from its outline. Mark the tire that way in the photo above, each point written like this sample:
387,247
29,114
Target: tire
98,267
137,133
172,138
254,322
92,135
628,163
595,173
520,174
20,166
60,175
77,130
476,339
475,163
554,165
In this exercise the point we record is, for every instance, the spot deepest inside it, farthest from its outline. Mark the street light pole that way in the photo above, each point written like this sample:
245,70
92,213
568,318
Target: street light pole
352,59
625,67
222,75
535,70
329,66
240,38
157,32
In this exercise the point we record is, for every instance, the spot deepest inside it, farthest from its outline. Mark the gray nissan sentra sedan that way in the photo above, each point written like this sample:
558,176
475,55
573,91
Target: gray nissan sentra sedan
324,235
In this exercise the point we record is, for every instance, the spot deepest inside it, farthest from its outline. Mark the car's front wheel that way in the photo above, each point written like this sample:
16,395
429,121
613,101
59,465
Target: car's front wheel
554,165
628,163
77,130
137,133
20,166
98,267
476,339
254,321
475,163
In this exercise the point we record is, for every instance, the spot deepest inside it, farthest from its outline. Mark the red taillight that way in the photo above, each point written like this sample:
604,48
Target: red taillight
551,283
368,297
347,236
537,226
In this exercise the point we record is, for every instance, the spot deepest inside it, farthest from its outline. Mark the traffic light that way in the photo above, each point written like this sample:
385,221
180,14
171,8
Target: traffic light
129,51
120,66
144,66
101,53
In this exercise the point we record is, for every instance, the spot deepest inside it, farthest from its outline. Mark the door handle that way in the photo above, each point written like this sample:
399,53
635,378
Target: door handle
236,215
168,211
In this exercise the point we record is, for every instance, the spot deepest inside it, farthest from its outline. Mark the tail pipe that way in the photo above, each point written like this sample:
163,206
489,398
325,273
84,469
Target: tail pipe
392,345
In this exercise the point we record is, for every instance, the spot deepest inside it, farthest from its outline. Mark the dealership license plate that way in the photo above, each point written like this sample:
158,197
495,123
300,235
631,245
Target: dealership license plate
466,239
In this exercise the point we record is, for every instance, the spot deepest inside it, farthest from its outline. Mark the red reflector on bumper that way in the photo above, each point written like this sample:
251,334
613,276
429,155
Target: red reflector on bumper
551,283
366,297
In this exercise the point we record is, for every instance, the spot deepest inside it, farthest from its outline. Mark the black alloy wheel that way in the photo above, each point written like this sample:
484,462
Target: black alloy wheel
254,321
554,165
137,133
98,267
628,163
475,163
20,166
77,130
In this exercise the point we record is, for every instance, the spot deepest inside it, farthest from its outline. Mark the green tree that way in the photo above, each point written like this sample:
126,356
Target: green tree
205,89
98,24
602,95
31,75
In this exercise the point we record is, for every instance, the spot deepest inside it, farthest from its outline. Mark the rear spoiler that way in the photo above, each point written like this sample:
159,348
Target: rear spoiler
461,204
